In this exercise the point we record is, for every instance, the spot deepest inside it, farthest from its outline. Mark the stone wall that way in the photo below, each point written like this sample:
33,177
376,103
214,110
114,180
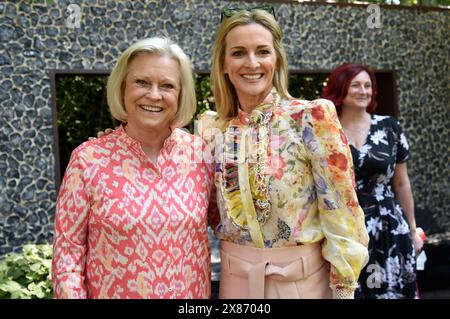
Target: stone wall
36,38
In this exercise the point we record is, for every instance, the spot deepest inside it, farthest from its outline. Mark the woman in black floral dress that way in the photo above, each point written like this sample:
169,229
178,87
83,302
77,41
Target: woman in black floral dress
380,151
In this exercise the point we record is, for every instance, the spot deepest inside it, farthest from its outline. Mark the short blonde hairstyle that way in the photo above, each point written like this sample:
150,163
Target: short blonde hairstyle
223,90
187,102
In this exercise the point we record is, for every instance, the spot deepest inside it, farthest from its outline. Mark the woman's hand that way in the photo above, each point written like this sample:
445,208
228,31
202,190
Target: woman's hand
101,133
417,243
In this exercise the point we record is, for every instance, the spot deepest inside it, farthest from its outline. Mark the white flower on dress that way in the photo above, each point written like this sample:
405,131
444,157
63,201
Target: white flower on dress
391,295
410,264
362,153
402,226
403,141
401,229
377,118
359,184
379,136
384,211
379,190
373,225
393,270
385,178
388,192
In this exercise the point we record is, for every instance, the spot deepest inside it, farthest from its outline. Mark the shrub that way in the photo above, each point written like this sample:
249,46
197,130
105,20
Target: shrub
27,275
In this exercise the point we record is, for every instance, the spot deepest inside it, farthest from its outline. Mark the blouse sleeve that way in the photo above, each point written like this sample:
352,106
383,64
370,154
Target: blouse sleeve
403,153
207,129
71,220
213,209
341,217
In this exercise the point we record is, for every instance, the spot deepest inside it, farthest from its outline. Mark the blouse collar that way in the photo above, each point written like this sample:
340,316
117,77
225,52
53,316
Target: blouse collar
175,137
263,109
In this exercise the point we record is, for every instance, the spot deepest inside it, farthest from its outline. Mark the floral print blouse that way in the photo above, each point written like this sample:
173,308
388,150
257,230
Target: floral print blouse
127,228
309,177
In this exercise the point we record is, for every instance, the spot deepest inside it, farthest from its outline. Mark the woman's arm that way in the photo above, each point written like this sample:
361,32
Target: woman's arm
341,217
70,242
402,189
205,128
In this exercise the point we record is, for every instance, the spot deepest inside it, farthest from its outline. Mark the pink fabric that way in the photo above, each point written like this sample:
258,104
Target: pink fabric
125,228
295,272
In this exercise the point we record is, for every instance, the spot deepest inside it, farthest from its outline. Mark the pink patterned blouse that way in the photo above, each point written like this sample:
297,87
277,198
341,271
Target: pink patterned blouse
127,228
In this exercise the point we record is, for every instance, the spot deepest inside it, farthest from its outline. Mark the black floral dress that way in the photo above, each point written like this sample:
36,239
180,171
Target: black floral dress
390,272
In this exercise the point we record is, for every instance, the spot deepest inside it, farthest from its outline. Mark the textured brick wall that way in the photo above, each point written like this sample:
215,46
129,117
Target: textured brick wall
35,39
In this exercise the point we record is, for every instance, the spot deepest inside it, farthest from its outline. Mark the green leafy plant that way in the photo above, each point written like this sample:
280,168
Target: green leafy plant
27,275
82,111
307,86
205,100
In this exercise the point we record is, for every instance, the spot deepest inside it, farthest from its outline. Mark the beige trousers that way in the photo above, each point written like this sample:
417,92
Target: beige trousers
297,272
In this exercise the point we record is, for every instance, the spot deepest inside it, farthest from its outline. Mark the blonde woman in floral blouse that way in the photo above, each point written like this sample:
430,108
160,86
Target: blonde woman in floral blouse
288,216
131,215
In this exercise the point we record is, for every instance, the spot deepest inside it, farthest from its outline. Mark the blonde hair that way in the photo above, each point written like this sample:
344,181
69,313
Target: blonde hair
187,103
223,90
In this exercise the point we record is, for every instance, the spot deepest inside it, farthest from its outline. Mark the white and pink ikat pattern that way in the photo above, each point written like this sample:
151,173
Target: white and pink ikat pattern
129,228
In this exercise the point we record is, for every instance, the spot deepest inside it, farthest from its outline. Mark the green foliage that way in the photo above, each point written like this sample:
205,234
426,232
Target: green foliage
82,111
205,100
307,86
27,275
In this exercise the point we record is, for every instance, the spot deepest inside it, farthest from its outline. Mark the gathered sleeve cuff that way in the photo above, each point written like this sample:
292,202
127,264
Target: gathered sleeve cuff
341,218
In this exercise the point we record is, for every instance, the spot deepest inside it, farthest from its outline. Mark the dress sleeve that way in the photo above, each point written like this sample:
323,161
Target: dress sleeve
70,244
403,153
341,217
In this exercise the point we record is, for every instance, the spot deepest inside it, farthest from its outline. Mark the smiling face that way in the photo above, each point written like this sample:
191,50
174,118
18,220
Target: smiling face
152,88
359,92
250,62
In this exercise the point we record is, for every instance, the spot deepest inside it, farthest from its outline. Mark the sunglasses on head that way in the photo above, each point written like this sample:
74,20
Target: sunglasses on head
229,12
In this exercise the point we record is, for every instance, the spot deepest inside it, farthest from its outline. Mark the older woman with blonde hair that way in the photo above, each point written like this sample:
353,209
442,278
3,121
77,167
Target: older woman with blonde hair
288,216
131,215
